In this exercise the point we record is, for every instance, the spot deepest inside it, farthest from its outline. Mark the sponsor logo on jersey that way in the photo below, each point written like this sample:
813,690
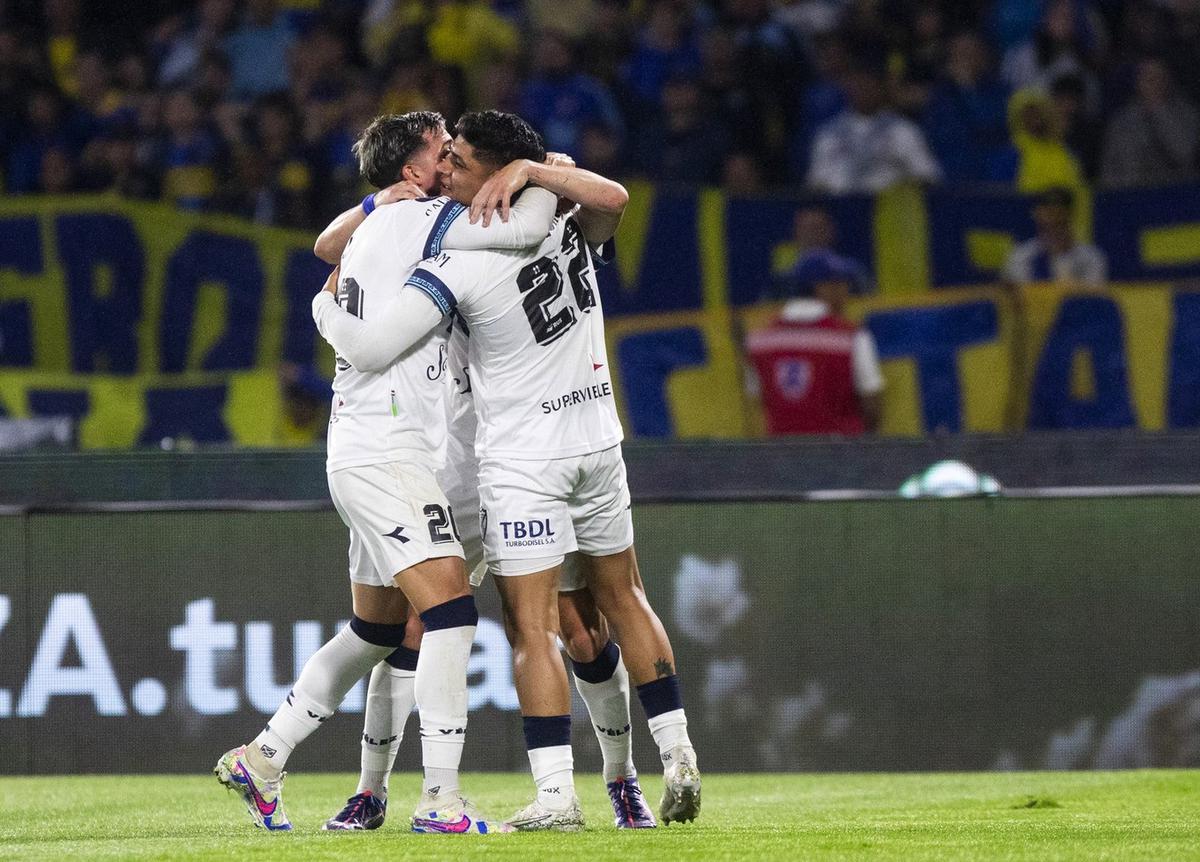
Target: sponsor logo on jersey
578,396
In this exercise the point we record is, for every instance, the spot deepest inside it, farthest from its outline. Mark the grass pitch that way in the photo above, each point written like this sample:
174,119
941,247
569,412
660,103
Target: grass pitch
1035,816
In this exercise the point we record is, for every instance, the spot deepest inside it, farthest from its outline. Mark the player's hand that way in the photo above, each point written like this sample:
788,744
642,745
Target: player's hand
560,160
496,193
331,283
405,190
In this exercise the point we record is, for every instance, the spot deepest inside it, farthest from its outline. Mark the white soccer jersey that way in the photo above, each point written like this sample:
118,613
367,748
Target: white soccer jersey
539,369
397,412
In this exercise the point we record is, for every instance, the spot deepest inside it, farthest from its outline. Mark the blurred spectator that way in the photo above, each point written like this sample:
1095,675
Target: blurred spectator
666,48
259,49
727,92
965,120
44,128
394,30
190,154
869,147
1054,254
114,165
1068,41
1037,158
62,42
560,102
767,51
1154,138
822,100
815,237
1082,132
924,53
183,41
467,35
685,143
818,373
273,182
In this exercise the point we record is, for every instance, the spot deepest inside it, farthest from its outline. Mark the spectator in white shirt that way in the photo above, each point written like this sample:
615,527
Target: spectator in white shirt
869,147
1054,254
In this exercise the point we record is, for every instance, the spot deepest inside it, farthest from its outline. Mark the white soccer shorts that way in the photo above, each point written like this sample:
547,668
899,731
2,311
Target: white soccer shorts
548,509
398,517
459,478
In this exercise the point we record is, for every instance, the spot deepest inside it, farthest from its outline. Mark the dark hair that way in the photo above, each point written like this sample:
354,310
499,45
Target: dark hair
500,138
388,143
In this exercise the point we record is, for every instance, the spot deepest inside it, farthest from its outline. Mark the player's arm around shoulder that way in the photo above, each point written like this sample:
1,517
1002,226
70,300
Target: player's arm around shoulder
602,201
336,236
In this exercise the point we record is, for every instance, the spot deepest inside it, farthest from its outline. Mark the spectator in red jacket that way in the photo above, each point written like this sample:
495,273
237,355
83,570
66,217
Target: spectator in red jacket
817,372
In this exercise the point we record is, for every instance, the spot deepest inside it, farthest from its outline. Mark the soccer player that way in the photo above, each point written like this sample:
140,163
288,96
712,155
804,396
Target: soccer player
600,675
386,430
552,480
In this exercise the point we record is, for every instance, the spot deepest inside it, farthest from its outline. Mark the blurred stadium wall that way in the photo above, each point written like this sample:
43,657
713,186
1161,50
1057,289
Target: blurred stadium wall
937,634
146,323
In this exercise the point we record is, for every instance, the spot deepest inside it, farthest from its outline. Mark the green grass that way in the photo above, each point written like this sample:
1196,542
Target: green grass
1034,816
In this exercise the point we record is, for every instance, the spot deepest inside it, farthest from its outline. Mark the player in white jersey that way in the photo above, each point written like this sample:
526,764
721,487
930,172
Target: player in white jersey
600,676
386,432
552,480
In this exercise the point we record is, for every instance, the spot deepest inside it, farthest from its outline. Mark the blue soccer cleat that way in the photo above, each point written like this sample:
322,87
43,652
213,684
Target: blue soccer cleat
363,811
629,807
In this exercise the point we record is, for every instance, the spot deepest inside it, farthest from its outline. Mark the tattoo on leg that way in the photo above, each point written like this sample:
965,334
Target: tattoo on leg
662,667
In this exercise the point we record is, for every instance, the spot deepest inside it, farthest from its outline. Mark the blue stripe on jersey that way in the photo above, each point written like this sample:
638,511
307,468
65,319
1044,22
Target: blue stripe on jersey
434,288
441,224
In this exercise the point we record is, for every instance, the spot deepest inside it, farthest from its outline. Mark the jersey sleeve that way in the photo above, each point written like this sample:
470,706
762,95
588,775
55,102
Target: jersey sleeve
529,221
446,279
374,344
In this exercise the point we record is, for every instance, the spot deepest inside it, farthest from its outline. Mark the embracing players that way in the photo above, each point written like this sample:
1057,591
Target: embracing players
385,439
600,676
552,479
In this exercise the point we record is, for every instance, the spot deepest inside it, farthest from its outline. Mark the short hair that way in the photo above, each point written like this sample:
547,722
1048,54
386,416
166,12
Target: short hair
388,143
500,138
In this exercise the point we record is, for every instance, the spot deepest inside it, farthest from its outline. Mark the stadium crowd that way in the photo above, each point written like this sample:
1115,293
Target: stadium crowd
250,108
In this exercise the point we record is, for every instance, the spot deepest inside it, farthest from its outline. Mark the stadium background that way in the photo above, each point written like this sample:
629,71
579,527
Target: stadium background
813,634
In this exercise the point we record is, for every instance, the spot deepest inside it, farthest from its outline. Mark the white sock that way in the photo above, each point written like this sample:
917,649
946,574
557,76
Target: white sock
327,676
608,705
669,731
553,773
390,698
441,693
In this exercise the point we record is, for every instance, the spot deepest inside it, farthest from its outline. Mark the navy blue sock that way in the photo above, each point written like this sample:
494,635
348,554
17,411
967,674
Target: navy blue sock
379,634
601,668
403,658
451,615
660,696
543,731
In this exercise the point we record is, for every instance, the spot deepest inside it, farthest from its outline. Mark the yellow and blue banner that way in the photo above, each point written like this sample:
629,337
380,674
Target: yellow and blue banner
144,322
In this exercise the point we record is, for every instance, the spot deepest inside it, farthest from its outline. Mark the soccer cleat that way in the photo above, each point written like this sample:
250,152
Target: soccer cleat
629,807
363,811
536,817
263,798
681,786
450,813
